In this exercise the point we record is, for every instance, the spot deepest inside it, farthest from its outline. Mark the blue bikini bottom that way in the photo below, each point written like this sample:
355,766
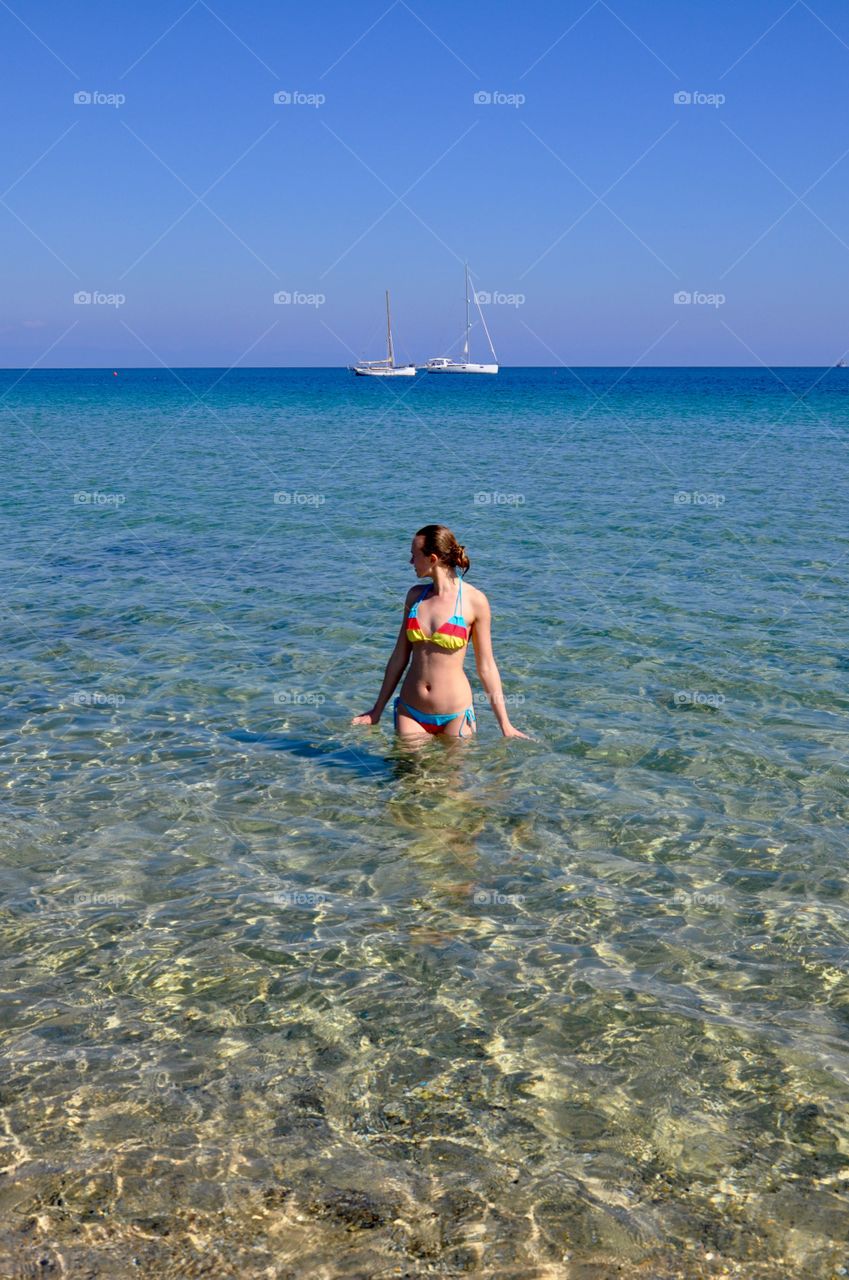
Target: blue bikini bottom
433,723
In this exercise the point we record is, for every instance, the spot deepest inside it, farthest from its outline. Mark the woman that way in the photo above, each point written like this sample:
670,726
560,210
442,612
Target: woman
436,696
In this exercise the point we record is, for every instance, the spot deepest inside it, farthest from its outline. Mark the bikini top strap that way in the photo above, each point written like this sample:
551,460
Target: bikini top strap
458,603
414,610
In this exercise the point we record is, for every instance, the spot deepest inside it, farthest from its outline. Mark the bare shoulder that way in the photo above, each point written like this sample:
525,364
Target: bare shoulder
477,600
475,593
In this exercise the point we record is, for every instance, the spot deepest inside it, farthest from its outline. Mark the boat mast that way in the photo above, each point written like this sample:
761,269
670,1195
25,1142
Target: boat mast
486,331
468,325
391,353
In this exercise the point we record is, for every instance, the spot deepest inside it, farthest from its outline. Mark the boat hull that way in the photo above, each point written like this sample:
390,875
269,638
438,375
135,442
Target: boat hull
462,368
405,371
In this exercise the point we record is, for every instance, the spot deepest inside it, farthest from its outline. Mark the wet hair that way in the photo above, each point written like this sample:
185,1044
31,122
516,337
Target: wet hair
440,541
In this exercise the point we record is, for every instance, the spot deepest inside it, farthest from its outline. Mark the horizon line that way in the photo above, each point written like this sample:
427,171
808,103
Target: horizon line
143,368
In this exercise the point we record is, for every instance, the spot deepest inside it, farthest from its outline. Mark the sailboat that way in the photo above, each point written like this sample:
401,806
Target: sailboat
442,364
384,368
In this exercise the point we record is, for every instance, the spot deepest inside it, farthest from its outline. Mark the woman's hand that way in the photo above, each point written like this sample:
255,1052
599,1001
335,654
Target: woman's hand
369,717
511,732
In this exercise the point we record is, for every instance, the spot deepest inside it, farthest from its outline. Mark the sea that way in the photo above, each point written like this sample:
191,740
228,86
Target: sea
282,998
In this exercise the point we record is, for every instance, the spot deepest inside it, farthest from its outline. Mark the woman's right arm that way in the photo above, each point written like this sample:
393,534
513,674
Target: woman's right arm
395,668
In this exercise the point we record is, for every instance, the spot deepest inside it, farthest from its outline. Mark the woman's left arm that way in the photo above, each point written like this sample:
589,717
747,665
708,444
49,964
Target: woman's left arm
487,670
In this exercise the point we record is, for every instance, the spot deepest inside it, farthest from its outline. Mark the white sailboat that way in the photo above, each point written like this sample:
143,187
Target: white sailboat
384,368
442,364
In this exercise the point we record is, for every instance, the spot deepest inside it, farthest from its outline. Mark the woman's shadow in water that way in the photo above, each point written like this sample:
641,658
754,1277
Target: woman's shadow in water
397,762
330,753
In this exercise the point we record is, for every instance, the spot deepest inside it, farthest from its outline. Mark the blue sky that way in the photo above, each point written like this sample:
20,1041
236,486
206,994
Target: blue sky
585,208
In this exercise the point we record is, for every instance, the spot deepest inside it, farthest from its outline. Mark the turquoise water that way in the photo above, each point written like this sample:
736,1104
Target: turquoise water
282,999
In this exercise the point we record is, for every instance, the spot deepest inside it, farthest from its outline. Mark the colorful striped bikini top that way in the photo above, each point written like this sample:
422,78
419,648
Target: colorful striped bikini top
453,634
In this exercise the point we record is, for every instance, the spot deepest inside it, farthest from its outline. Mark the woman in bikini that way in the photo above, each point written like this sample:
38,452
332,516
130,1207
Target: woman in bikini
436,678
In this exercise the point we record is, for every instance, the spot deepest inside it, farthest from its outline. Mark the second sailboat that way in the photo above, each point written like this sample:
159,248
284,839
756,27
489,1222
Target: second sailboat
384,368
442,364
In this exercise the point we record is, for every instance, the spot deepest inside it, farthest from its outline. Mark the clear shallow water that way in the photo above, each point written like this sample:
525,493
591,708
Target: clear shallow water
280,999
